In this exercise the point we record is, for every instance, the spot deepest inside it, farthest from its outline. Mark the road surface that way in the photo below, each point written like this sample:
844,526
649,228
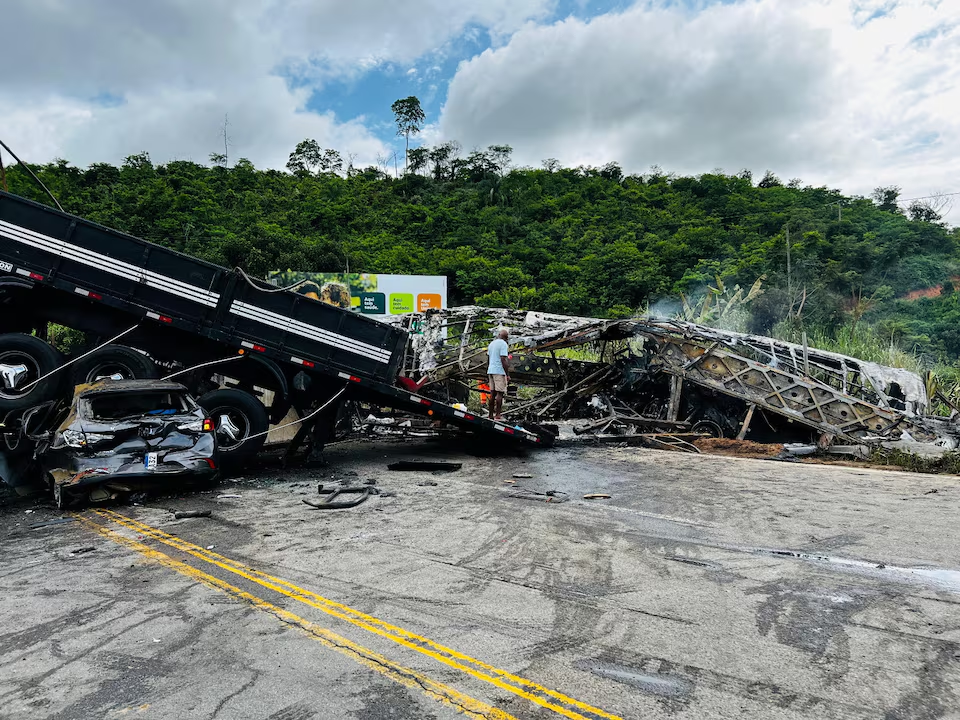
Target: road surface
704,587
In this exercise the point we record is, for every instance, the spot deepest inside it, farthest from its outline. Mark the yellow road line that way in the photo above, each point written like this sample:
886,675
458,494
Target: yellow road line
527,689
369,658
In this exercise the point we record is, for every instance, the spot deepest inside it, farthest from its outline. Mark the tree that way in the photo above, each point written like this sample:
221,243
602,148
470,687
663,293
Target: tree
769,180
886,198
409,117
330,161
930,209
419,157
218,159
307,155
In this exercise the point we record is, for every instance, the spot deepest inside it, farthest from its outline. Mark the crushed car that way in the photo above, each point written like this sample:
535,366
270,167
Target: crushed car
120,437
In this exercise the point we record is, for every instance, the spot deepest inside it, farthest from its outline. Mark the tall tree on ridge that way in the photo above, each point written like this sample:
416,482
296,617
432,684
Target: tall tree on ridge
409,117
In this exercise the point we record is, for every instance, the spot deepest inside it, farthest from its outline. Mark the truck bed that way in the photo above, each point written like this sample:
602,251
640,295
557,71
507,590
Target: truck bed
76,262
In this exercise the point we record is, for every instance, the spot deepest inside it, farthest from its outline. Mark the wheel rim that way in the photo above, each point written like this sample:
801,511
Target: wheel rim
16,357
239,420
108,370
708,427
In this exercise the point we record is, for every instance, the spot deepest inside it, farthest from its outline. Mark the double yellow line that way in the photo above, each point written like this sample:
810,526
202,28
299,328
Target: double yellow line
551,699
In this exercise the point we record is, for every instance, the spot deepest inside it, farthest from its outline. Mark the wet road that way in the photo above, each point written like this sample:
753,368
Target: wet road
705,587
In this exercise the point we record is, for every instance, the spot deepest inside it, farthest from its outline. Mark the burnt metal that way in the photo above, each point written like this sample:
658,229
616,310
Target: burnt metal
653,377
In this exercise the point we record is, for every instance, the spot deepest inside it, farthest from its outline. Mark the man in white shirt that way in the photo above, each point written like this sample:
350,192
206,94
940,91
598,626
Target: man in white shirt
498,372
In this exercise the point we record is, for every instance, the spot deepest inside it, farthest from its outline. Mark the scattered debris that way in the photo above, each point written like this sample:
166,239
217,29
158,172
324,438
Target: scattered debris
181,514
554,496
425,465
428,483
522,476
596,496
330,502
48,523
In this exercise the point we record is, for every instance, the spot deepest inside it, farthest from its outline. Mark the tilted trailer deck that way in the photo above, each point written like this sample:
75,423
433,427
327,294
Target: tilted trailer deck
175,311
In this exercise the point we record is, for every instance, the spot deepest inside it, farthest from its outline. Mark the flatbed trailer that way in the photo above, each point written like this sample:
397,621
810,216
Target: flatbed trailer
182,312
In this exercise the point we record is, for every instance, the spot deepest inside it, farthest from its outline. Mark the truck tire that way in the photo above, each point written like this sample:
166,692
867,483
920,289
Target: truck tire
111,360
246,413
38,358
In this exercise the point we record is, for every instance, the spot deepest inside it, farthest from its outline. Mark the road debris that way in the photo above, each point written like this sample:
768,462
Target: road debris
522,476
550,496
596,496
331,501
182,514
49,523
428,466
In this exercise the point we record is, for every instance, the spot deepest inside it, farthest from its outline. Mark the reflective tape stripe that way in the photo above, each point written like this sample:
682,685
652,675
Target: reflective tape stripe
108,264
311,332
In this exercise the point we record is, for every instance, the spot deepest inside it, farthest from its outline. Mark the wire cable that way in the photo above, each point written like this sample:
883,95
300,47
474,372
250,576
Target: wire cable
38,180
252,284
80,357
205,364
303,419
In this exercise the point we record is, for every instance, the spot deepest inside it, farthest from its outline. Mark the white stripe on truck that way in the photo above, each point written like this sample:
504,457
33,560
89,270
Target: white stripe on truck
311,332
108,264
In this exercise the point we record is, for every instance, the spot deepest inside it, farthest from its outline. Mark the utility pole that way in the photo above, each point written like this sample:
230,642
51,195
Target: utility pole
226,140
789,274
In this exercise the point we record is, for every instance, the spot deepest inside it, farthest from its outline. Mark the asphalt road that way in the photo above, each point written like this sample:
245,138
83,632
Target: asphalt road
705,587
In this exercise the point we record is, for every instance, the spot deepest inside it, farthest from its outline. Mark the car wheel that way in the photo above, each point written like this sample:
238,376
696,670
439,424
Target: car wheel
113,361
24,359
237,415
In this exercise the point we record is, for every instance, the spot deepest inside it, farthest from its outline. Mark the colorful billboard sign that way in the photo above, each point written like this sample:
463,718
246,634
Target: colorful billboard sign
369,293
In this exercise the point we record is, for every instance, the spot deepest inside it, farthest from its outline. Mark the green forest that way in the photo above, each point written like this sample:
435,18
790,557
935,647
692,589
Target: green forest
582,241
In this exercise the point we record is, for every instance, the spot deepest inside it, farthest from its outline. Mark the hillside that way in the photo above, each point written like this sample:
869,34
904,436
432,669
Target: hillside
585,241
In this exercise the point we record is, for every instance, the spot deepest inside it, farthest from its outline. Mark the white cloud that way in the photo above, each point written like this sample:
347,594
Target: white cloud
177,66
851,94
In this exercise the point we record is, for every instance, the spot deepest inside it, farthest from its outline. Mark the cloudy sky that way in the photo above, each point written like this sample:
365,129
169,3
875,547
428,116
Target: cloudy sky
849,93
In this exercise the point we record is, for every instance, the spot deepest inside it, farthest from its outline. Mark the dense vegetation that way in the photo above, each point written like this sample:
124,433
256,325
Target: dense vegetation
587,241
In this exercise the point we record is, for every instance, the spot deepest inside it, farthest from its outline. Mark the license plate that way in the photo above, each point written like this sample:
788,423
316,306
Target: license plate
151,460
5,266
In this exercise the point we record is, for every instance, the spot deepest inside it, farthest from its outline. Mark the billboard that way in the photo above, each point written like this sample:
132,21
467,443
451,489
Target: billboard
368,293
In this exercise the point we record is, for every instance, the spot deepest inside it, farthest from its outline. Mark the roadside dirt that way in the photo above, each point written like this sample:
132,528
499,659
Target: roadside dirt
737,448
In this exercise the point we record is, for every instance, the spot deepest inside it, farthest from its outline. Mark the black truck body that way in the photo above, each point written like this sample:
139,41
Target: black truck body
56,267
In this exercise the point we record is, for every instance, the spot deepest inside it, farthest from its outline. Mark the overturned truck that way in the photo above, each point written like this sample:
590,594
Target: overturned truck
647,374
148,312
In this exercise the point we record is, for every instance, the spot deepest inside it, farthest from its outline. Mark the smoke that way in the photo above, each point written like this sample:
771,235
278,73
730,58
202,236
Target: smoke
666,309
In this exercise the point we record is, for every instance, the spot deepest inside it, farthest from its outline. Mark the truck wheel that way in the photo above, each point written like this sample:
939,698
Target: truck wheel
236,416
24,359
110,361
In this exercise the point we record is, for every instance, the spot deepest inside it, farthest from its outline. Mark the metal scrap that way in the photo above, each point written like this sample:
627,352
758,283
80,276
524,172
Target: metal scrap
667,382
